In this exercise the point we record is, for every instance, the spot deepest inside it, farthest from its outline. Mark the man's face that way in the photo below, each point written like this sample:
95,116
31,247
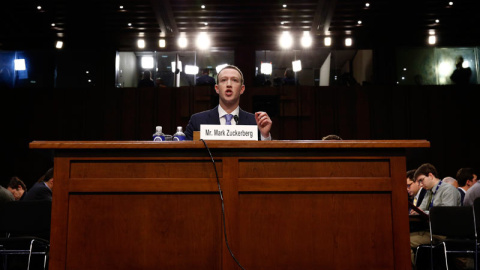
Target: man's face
229,87
412,187
17,193
427,182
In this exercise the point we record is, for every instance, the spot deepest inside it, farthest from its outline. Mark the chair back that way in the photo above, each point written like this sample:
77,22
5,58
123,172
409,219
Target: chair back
453,221
27,218
476,211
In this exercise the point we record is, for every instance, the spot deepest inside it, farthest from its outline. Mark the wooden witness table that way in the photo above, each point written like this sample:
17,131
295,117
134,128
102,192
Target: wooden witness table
288,204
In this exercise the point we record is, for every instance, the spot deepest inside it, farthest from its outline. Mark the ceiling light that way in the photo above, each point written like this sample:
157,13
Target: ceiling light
282,23
297,65
203,41
437,21
348,42
327,41
203,6
266,68
121,7
306,40
191,70
59,44
286,40
220,67
87,71
359,22
141,43
182,42
19,64
53,24
129,24
431,32
450,3
367,4
179,66
284,5
147,62
206,24
432,40
39,7
162,43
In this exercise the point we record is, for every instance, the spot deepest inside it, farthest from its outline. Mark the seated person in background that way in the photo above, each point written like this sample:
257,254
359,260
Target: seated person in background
146,80
450,180
42,189
5,196
438,194
466,178
415,192
473,191
289,77
230,86
17,188
205,79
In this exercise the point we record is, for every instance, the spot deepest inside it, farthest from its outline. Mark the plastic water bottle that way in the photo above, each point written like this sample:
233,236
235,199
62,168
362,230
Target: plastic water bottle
179,135
158,136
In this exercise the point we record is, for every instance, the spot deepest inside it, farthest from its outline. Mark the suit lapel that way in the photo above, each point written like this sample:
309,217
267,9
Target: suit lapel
213,117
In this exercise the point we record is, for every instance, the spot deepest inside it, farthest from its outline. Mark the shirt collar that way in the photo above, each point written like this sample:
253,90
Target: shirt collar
222,112
418,193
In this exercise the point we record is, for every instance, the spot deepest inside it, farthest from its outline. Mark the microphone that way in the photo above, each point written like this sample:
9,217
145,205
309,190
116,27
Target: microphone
235,117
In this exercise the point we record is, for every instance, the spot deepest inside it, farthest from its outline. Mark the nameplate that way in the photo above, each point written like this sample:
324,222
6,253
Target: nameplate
229,133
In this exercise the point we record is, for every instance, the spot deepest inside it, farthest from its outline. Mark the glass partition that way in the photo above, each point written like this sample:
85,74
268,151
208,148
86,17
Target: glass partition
129,66
435,66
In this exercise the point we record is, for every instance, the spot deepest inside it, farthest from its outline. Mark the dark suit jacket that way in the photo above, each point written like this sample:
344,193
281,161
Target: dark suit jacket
462,195
39,192
421,196
211,117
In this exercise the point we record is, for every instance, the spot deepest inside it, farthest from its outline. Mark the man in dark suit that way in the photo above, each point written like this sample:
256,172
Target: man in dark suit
466,178
41,190
230,86
415,192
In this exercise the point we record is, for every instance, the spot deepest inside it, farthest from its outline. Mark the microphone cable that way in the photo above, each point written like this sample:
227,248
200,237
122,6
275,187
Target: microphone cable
223,206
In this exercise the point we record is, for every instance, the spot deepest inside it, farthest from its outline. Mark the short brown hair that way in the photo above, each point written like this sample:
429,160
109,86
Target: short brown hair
15,182
232,67
425,169
410,175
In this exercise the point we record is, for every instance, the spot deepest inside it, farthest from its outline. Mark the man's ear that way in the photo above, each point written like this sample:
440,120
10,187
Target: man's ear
242,89
216,88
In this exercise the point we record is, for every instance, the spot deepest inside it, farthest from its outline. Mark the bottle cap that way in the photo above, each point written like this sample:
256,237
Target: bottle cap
179,128
158,128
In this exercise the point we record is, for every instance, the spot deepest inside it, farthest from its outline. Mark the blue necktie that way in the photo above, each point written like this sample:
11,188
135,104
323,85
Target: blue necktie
228,117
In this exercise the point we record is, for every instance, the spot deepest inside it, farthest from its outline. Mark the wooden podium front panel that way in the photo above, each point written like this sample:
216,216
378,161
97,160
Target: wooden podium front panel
316,213
315,231
144,231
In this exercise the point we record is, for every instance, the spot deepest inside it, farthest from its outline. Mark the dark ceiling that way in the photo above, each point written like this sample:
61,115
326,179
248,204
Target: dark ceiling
231,24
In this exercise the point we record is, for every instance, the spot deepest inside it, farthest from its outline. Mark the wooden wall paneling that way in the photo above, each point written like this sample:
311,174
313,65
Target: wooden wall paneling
327,111
362,121
400,100
307,120
380,111
129,114
94,114
202,98
346,99
147,107
112,106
